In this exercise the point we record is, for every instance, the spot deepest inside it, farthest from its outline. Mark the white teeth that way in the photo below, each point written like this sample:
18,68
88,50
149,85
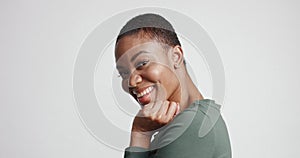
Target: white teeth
146,91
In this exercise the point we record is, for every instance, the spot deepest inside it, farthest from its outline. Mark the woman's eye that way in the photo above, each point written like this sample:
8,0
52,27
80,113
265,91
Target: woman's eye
124,74
141,64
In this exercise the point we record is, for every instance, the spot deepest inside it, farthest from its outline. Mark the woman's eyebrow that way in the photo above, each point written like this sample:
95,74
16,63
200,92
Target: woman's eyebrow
132,58
137,54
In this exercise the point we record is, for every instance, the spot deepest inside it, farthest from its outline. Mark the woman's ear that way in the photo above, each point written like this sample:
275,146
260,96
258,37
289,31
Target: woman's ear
177,56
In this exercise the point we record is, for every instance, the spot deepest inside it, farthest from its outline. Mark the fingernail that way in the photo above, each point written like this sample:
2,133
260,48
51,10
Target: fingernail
178,109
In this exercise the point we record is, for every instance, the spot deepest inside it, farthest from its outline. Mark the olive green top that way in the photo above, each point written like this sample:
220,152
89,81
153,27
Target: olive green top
198,131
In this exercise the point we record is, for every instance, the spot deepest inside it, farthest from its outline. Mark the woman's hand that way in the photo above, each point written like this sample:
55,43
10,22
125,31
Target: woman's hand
150,118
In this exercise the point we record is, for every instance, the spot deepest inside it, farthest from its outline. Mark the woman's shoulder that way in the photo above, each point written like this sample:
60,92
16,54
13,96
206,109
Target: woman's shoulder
195,121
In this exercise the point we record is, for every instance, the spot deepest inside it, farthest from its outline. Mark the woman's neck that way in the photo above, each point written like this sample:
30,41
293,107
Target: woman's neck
189,93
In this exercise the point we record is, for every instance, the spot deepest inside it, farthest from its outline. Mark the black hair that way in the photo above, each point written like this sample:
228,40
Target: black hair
151,26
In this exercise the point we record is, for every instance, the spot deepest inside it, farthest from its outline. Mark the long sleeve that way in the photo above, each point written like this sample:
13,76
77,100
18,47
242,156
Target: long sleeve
136,152
181,138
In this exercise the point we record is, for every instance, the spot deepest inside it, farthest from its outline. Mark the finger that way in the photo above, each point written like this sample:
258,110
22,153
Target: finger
177,109
153,104
150,110
156,107
172,110
161,114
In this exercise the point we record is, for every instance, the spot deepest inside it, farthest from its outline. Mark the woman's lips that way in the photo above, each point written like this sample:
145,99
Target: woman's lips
144,92
143,97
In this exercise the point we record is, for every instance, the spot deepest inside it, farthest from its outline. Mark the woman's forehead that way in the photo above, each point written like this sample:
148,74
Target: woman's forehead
128,47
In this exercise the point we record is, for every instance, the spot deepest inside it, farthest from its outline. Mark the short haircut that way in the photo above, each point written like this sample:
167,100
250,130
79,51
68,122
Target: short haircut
150,26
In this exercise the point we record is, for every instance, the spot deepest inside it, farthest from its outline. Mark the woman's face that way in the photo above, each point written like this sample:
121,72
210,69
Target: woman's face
147,70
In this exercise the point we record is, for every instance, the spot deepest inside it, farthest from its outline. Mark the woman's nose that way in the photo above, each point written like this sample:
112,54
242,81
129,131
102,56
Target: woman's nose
134,79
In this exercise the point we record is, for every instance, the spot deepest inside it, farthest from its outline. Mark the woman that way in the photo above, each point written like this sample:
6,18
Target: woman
150,61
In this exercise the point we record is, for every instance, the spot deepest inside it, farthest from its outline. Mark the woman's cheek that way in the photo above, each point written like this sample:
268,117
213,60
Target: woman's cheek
154,73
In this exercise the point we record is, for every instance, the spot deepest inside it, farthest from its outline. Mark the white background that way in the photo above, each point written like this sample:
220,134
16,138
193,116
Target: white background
258,42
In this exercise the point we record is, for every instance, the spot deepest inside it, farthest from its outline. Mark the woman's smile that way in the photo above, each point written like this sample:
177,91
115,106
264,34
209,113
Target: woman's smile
143,95
144,92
